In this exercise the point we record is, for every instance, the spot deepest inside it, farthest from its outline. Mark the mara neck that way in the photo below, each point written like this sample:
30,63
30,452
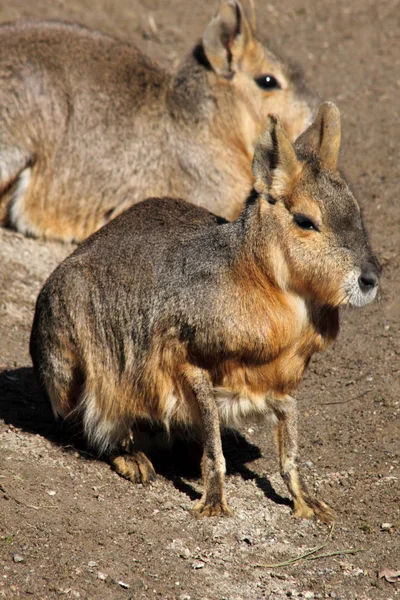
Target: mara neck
204,101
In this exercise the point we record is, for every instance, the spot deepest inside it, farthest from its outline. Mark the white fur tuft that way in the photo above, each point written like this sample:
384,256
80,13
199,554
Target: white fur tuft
100,432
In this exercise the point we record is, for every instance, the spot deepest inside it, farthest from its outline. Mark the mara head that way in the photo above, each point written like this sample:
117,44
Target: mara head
252,78
321,249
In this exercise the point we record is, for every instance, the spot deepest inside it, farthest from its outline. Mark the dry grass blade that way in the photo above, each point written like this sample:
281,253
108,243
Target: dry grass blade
304,556
336,553
290,561
308,556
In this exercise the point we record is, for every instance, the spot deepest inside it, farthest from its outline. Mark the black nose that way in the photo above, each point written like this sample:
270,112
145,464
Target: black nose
367,281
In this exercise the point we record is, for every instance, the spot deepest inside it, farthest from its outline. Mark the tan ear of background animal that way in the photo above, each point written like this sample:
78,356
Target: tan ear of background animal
176,316
323,137
84,141
227,39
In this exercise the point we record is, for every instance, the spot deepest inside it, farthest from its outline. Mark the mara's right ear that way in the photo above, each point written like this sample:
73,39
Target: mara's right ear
275,164
226,37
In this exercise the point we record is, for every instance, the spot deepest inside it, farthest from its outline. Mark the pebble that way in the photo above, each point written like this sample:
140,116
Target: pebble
123,584
198,565
92,563
386,526
102,576
17,558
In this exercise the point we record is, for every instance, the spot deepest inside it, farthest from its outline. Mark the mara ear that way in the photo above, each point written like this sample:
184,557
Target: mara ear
275,164
226,37
323,136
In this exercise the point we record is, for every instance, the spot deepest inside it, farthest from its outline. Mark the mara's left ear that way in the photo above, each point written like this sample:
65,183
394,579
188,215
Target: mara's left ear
226,37
323,136
275,164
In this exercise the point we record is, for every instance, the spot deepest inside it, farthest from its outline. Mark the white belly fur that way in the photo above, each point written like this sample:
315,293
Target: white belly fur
233,409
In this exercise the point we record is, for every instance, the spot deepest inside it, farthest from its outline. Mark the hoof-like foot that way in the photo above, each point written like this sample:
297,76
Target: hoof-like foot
313,509
216,508
136,467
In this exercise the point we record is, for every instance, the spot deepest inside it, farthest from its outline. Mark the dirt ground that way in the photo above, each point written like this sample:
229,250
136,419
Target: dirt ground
71,528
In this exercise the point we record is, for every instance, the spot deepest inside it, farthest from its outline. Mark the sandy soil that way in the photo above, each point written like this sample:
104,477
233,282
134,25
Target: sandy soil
71,528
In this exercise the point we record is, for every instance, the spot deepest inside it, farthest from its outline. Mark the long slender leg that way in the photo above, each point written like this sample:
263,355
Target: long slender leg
213,501
305,506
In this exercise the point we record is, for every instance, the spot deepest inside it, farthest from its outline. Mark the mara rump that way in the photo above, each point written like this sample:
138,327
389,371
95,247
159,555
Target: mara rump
172,314
90,126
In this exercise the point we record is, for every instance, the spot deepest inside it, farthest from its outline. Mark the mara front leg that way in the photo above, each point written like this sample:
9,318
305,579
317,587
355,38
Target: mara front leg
213,501
305,506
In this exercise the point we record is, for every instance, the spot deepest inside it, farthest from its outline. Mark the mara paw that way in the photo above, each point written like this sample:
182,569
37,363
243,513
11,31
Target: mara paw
216,508
313,509
135,467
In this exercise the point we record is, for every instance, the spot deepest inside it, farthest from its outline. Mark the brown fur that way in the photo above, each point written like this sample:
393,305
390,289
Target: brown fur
174,315
99,127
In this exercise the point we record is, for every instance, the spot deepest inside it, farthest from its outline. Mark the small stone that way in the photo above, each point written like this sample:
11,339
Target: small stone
308,594
184,597
123,584
198,565
185,553
17,558
102,576
92,563
386,526
51,492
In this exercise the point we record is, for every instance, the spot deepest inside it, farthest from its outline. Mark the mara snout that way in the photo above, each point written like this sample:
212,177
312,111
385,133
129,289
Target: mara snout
172,314
90,126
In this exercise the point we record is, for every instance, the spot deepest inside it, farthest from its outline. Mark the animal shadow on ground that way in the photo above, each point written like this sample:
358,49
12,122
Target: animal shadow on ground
176,457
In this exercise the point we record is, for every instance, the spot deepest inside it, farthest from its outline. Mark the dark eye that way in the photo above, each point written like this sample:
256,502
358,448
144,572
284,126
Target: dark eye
267,82
304,222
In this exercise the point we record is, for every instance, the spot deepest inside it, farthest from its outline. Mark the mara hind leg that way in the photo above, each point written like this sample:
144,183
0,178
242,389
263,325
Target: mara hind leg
132,464
73,399
63,389
305,506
